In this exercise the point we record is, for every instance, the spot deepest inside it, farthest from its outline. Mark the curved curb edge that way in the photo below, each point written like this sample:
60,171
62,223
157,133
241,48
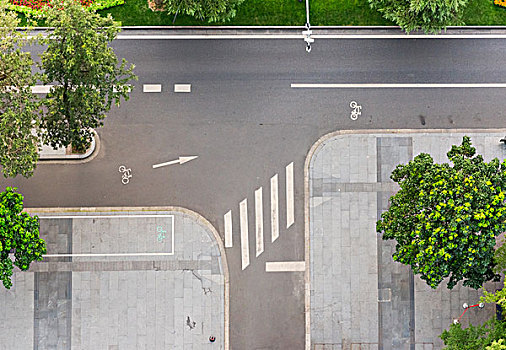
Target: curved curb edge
199,218
85,158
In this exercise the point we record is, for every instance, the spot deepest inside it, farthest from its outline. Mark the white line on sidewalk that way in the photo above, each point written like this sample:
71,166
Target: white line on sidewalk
274,208
152,88
228,229
290,201
133,216
285,266
243,213
111,254
259,222
394,86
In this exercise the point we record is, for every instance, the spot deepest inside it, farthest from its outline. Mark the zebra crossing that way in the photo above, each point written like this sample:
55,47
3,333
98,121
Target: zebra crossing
259,216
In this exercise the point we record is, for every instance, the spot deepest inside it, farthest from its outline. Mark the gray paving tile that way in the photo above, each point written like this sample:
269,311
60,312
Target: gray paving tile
345,225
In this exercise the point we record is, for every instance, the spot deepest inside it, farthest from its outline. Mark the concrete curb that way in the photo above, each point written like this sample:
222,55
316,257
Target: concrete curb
199,218
316,146
77,158
295,32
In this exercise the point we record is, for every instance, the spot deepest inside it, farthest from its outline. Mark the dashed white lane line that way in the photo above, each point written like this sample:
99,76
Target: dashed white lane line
274,208
290,200
152,88
182,87
394,86
228,229
285,266
259,222
243,213
44,89
41,89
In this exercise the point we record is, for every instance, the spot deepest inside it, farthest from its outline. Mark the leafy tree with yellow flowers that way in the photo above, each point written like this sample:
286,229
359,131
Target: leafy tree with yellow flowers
20,243
445,217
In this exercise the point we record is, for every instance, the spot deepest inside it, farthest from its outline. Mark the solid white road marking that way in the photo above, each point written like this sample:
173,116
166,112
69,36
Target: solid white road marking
228,229
243,213
182,87
394,86
315,36
290,210
285,266
181,160
274,208
259,222
152,88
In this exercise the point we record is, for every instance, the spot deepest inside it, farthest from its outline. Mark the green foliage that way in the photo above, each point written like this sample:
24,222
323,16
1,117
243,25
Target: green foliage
499,297
474,337
95,6
19,108
431,16
500,258
19,235
497,345
210,10
85,71
445,218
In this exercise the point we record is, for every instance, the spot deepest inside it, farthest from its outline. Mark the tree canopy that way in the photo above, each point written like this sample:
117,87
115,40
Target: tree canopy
445,217
85,71
483,337
19,236
430,16
210,10
19,108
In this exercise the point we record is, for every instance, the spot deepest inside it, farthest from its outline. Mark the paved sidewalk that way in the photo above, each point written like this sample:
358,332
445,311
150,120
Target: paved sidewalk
135,280
360,298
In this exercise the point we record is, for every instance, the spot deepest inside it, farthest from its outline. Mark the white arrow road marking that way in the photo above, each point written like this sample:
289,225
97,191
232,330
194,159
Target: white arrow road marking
181,160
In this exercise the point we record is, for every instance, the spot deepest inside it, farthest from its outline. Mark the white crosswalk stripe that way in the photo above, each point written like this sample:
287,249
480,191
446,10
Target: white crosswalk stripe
290,200
274,208
259,219
228,229
259,222
243,213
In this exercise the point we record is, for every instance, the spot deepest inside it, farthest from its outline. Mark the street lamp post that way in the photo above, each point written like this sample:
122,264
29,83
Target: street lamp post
307,33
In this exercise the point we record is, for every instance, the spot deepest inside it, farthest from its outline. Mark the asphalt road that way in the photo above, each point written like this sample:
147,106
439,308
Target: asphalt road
246,123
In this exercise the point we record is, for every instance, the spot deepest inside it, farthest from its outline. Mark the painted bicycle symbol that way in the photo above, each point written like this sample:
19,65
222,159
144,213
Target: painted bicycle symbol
127,174
161,234
357,110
